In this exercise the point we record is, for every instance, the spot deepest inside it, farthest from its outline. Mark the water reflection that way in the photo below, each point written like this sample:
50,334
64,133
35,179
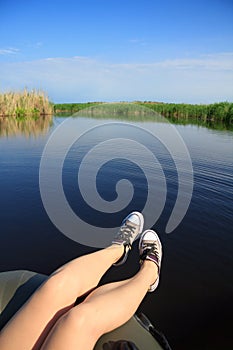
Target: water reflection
26,126
209,124
136,113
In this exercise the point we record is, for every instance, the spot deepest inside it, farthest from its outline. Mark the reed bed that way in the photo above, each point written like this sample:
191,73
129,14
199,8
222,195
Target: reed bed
71,108
215,112
221,112
25,103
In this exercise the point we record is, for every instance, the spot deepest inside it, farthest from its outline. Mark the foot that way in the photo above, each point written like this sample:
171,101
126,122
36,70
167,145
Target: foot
150,249
130,230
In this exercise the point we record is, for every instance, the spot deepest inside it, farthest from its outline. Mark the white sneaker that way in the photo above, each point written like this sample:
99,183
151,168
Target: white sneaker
150,248
130,230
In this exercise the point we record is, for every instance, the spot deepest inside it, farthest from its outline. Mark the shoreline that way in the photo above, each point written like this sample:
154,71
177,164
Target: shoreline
215,112
36,104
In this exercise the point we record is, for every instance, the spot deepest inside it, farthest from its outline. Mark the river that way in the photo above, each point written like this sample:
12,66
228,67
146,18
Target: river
193,304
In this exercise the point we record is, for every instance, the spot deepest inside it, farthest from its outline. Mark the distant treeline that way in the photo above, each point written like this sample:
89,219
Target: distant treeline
25,103
216,112
72,108
221,112
21,104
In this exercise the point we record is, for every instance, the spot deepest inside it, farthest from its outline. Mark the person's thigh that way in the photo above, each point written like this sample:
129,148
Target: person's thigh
30,325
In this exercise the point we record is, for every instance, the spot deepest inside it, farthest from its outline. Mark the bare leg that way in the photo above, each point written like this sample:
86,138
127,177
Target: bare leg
105,309
57,295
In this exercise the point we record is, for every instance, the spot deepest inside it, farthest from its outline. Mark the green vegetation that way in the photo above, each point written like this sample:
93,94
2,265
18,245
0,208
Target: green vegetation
221,112
71,108
214,116
120,110
36,103
217,113
25,103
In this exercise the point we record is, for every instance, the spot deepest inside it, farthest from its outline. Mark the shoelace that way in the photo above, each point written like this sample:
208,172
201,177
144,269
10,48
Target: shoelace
126,232
148,249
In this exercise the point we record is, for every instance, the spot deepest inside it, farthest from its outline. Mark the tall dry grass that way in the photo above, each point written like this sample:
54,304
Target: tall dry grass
24,103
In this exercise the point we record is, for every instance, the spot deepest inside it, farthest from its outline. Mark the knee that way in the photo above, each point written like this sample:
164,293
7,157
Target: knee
82,319
54,288
52,285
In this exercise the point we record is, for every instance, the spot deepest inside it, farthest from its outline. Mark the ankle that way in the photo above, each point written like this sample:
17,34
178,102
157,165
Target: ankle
117,250
152,269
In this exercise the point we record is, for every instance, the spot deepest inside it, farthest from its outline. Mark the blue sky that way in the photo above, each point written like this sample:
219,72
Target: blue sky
114,50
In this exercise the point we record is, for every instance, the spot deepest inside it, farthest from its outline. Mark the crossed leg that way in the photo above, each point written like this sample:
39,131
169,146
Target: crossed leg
31,324
105,309
49,320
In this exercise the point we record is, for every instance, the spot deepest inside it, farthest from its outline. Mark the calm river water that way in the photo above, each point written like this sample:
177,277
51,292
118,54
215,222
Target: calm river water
193,304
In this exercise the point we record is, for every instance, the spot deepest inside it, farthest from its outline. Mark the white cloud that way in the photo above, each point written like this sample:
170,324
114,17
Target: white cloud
9,51
223,61
205,79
